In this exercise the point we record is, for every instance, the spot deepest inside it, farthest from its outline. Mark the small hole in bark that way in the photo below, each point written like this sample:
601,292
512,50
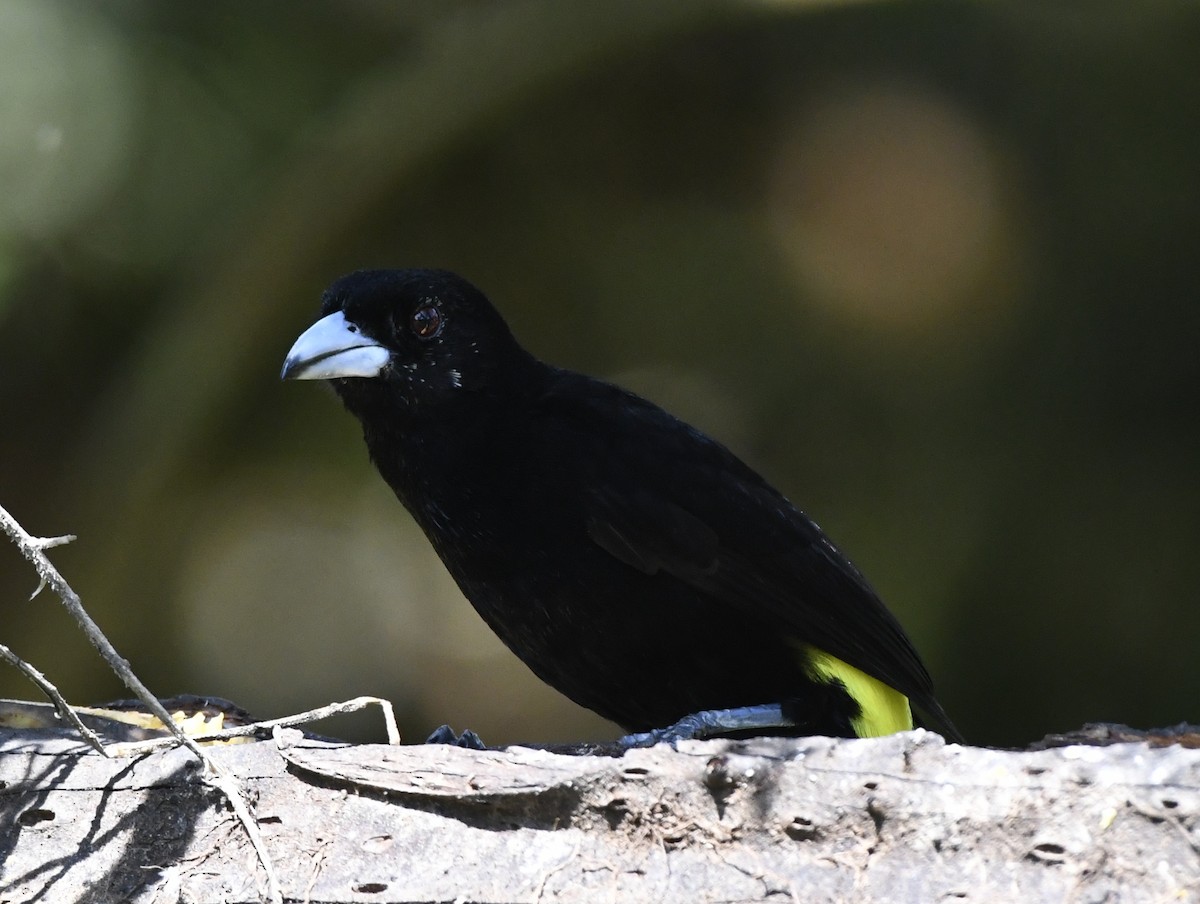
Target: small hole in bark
377,844
801,829
1048,852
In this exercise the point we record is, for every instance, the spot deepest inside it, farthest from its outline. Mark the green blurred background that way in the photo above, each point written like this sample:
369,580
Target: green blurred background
931,267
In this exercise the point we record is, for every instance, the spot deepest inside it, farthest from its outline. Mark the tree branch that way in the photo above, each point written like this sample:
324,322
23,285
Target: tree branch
33,549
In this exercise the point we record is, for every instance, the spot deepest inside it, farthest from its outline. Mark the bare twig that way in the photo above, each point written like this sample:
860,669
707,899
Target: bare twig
32,548
256,728
60,704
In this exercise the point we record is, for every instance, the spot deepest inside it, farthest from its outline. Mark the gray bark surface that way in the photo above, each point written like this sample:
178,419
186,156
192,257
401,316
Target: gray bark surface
901,818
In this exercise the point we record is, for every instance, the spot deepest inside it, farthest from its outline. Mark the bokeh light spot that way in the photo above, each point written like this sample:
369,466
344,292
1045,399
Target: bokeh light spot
66,111
885,200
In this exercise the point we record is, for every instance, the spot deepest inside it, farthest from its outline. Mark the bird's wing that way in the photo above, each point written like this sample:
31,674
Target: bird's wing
808,589
664,498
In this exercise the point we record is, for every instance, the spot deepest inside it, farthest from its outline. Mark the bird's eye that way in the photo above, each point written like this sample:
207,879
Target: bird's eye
426,321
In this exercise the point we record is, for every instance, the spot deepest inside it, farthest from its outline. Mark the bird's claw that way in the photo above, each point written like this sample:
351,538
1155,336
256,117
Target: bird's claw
686,729
445,735
712,722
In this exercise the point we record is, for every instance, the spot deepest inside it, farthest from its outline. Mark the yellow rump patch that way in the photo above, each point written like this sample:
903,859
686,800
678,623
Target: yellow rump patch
884,709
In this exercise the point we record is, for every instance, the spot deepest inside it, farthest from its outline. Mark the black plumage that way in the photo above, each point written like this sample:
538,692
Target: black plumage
630,561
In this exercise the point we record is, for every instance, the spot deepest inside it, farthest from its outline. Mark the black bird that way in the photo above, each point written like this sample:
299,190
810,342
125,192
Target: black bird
629,560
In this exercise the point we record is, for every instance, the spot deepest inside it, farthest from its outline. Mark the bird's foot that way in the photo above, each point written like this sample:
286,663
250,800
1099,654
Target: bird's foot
712,722
446,735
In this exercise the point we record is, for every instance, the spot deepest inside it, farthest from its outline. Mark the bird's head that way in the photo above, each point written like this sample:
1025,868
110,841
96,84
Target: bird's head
406,340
